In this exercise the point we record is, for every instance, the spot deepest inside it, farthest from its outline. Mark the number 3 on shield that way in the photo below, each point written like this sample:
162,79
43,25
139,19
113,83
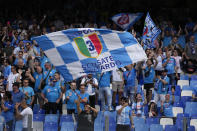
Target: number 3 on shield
90,44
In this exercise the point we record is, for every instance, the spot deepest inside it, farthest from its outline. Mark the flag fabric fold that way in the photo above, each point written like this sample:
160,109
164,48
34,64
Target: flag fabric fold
126,20
77,52
150,32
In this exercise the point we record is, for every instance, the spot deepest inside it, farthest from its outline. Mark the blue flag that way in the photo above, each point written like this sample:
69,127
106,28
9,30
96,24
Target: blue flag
150,32
77,52
126,20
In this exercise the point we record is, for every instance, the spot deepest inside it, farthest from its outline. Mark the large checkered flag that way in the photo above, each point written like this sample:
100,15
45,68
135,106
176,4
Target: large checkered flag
76,52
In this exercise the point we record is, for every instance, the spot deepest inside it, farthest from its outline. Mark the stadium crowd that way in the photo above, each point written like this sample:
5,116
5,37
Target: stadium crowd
145,89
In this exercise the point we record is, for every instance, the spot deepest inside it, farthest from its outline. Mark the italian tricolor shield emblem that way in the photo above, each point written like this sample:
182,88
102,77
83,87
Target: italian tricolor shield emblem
90,46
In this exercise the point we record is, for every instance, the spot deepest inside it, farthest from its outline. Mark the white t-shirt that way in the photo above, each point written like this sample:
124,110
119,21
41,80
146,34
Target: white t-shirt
159,65
117,75
89,89
177,59
27,111
11,79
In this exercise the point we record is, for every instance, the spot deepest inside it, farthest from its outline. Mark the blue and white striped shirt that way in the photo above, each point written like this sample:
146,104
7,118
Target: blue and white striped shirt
124,117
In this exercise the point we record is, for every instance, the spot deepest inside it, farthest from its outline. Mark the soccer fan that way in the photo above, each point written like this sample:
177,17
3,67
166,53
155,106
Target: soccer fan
117,85
166,106
129,81
28,92
52,95
161,87
86,118
26,111
91,85
71,96
104,87
124,113
7,107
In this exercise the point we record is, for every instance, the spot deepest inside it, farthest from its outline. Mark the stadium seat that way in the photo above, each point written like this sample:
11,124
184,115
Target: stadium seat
190,108
36,108
156,127
110,114
186,87
152,120
19,125
171,128
166,121
52,118
50,126
98,124
138,121
181,115
38,117
181,83
2,119
1,126
38,126
112,124
177,90
186,93
176,110
184,77
178,104
193,83
66,118
142,127
67,126
193,77
193,122
190,128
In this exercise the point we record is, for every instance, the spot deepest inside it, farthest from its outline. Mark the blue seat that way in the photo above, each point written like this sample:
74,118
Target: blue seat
67,126
193,77
156,127
184,77
190,108
110,114
98,124
179,124
66,118
52,118
138,120
1,126
50,126
193,83
2,119
181,115
185,99
152,120
186,87
171,128
142,127
19,125
178,104
38,117
190,128
36,108
112,124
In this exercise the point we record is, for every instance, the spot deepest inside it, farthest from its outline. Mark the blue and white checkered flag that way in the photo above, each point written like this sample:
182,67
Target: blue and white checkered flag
150,32
126,20
77,52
